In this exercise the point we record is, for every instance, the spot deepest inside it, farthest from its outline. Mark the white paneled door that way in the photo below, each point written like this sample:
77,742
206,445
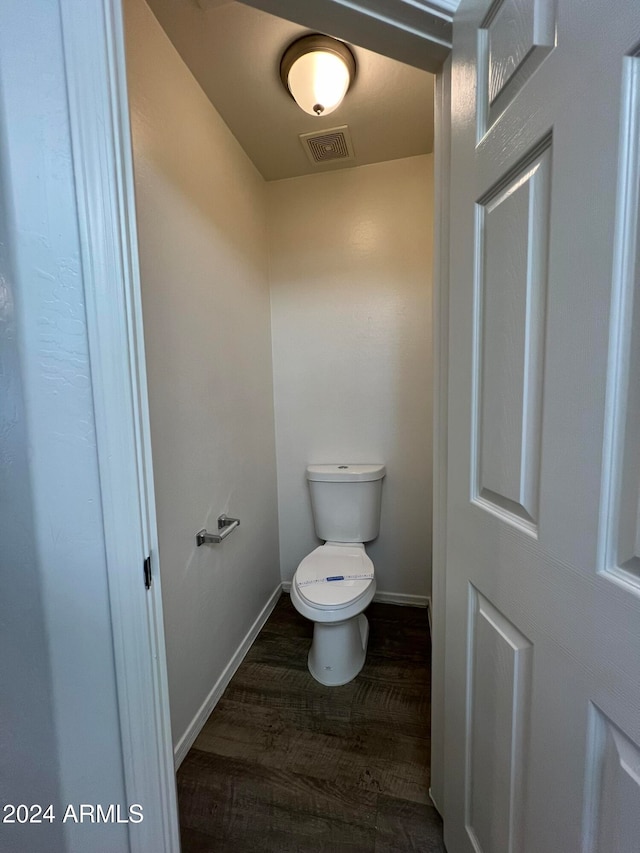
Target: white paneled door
543,566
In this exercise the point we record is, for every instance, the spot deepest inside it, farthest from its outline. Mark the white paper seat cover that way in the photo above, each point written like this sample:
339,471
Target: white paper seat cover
330,561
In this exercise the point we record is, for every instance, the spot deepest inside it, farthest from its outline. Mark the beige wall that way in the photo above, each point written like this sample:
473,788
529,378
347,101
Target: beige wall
350,270
203,254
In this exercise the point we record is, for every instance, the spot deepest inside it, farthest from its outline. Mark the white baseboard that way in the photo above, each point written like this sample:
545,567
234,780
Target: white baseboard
388,597
401,598
195,726
435,804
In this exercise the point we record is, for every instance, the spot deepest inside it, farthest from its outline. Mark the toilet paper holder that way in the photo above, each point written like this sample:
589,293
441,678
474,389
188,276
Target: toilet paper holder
226,526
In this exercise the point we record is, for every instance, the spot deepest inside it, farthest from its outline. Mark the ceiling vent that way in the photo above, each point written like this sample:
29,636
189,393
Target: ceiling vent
330,145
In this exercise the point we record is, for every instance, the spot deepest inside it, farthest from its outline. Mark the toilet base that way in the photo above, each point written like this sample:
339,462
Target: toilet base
338,650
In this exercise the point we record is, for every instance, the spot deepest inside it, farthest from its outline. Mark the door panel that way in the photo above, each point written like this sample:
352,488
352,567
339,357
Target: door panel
511,279
622,542
543,580
499,672
612,806
513,39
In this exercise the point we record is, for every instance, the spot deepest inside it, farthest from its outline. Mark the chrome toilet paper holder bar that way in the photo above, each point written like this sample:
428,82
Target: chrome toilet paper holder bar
226,526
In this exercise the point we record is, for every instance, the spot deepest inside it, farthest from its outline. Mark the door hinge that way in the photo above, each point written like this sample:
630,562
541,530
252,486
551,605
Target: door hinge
147,572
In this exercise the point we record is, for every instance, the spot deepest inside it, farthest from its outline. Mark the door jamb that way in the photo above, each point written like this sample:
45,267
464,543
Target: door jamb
93,40
442,142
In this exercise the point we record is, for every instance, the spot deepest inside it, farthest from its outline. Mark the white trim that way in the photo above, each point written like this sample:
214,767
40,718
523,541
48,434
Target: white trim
413,18
401,598
386,597
429,615
442,145
435,802
103,173
202,715
387,9
444,9
417,32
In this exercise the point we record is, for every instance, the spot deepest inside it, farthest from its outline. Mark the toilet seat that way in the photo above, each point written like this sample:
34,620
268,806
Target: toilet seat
331,560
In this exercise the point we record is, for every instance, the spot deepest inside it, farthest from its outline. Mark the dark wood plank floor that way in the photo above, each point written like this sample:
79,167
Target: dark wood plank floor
285,764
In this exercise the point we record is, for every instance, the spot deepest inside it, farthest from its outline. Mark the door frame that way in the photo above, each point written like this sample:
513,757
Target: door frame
94,54
442,173
93,40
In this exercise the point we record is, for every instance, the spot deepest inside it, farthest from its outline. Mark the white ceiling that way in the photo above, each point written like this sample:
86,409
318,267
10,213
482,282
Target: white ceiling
234,52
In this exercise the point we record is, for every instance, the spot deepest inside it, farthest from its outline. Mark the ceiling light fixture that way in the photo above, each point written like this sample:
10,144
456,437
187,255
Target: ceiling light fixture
317,71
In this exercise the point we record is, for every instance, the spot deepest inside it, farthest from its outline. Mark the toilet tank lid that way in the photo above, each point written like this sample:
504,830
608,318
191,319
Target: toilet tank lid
342,473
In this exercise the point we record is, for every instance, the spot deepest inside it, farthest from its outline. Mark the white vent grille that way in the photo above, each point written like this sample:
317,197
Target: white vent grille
330,145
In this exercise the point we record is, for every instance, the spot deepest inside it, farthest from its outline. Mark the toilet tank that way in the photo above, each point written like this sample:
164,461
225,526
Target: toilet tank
345,500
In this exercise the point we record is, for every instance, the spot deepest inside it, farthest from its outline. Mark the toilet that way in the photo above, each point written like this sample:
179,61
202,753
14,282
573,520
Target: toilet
335,583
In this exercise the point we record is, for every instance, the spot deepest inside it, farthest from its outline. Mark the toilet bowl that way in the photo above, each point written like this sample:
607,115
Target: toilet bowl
341,630
335,583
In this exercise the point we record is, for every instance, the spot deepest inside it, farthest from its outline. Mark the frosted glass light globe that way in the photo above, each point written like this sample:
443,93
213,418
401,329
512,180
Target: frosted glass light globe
318,82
